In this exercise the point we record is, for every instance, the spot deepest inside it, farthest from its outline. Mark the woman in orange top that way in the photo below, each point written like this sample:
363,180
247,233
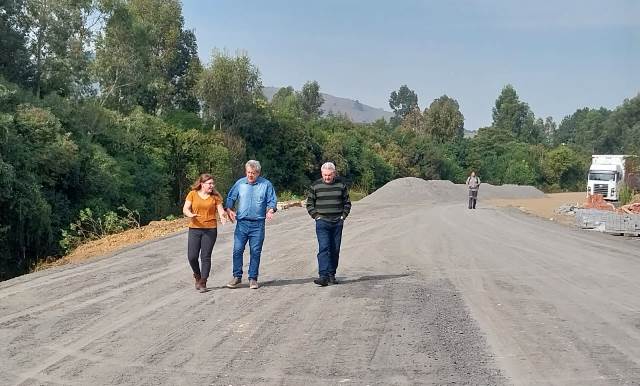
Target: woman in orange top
200,206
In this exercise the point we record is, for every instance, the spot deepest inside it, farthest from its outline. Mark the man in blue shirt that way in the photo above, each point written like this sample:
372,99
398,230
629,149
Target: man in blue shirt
255,200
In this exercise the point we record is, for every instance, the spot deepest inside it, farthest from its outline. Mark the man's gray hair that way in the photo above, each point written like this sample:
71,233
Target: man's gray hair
253,165
328,166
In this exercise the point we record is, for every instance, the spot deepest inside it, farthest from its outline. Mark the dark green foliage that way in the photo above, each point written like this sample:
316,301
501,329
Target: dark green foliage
59,158
402,102
145,57
15,65
443,120
310,99
230,88
512,115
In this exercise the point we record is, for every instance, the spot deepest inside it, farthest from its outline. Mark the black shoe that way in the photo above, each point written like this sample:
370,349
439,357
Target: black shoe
332,279
322,281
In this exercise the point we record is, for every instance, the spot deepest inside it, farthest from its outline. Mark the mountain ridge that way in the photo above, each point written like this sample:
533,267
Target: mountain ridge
355,110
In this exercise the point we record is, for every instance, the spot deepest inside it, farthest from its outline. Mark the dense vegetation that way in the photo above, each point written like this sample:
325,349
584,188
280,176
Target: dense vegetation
107,114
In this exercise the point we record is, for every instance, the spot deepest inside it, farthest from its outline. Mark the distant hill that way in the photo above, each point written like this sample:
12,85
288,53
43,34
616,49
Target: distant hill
356,111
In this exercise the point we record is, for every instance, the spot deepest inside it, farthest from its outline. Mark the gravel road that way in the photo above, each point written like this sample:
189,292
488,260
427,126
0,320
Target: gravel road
430,293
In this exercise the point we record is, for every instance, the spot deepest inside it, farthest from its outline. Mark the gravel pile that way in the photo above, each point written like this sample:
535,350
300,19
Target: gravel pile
416,190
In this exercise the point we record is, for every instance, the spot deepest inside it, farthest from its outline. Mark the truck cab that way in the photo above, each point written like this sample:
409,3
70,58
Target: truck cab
606,173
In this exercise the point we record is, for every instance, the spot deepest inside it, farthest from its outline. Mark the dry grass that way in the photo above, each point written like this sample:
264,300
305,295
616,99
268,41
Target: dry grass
112,243
545,206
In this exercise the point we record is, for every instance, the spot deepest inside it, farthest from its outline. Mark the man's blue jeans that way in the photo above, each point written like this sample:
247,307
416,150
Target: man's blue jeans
252,231
329,237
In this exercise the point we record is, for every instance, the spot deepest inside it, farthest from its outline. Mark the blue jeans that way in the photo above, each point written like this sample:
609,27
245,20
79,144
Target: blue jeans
329,237
252,231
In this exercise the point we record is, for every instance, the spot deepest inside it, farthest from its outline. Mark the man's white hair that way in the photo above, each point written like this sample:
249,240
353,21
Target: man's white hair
253,165
328,166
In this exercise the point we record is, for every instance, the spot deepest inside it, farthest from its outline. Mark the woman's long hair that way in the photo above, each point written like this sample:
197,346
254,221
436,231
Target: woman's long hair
204,177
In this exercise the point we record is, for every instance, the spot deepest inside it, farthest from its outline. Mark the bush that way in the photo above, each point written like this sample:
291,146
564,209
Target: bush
625,194
287,195
90,226
357,193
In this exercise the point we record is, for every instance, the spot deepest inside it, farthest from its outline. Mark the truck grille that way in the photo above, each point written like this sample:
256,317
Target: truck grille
601,189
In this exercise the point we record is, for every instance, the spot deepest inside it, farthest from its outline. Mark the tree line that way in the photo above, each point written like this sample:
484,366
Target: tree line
107,115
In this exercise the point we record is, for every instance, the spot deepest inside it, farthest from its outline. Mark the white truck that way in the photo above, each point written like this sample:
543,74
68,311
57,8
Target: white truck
608,172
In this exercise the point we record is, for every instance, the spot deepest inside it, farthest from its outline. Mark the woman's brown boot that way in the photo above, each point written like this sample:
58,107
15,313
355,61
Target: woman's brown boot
203,285
198,281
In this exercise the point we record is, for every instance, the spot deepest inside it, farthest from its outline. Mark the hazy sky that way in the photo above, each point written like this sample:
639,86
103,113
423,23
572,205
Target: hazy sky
559,55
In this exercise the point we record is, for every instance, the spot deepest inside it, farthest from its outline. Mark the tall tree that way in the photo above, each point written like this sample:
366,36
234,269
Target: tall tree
549,128
413,121
443,119
310,99
145,57
623,128
285,101
509,113
229,87
16,66
121,59
59,37
586,128
184,73
402,102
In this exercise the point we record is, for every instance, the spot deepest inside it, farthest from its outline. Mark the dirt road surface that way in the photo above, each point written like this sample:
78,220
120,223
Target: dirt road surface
430,293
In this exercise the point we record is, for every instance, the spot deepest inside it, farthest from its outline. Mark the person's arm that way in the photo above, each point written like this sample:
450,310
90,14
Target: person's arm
347,202
272,201
232,196
186,209
311,203
222,213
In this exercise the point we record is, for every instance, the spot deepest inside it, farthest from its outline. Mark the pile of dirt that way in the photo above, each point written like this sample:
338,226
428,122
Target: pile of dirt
402,190
558,207
415,190
510,191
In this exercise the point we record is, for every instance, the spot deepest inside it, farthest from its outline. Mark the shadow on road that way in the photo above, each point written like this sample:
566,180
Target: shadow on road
341,280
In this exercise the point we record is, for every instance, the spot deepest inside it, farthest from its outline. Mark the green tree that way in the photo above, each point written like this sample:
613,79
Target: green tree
509,113
285,102
489,144
443,119
15,67
59,36
564,168
622,133
310,99
183,75
230,88
413,121
37,160
549,128
402,102
144,57
122,59
587,129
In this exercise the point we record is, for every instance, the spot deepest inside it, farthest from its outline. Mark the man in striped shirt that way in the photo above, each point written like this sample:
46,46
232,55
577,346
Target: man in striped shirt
328,204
